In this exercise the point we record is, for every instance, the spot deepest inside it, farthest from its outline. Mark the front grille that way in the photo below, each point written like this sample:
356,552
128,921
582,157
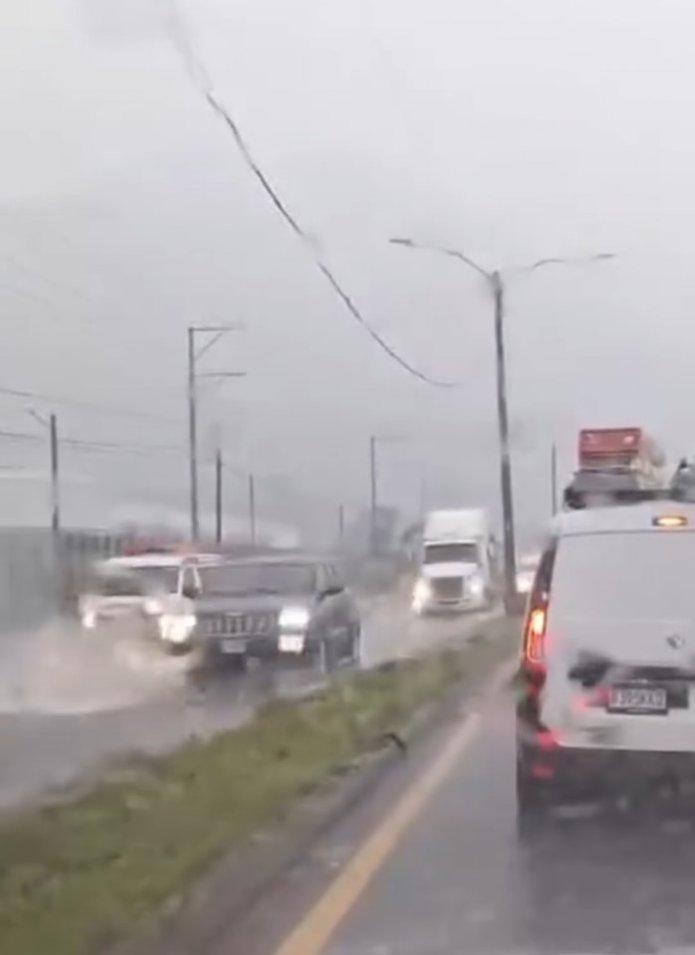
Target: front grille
237,624
447,588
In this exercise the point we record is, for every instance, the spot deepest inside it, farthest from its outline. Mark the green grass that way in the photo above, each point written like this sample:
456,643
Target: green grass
76,876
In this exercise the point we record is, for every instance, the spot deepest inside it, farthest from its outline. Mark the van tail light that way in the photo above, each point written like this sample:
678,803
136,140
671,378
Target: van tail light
534,638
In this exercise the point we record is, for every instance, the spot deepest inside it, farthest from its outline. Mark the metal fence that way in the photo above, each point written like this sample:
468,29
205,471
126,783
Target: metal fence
39,572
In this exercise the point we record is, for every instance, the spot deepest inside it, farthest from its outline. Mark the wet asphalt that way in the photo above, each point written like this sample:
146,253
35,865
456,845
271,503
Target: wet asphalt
462,881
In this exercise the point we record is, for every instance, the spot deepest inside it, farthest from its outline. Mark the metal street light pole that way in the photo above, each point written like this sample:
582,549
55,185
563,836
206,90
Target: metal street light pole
509,542
495,283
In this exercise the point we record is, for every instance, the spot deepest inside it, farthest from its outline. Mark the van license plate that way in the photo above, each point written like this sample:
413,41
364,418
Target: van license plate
233,646
637,699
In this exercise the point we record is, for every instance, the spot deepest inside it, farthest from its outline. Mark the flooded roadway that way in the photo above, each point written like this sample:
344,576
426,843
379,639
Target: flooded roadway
71,704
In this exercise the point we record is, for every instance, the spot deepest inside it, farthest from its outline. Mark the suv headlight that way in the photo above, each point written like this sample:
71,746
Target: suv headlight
476,585
175,628
294,618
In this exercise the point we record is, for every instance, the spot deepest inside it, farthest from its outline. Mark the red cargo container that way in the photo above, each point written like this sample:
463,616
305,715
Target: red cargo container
603,447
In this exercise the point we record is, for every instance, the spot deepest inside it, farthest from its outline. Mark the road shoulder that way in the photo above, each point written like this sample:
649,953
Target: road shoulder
215,912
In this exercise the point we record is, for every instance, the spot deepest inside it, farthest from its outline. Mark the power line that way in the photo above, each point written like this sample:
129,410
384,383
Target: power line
202,80
92,406
95,445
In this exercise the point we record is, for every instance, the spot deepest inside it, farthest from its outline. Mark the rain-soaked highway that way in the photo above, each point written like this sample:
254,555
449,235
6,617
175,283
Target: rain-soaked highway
71,704
431,864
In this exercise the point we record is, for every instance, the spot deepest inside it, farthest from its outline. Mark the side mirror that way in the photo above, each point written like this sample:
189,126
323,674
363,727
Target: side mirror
331,591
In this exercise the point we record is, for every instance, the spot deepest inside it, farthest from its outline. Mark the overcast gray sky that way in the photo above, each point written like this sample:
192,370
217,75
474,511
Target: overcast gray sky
511,129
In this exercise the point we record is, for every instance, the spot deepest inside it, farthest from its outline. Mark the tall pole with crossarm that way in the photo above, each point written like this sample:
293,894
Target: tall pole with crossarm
494,281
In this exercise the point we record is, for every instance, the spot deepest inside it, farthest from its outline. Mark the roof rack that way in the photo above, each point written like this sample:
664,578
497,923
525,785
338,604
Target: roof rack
575,500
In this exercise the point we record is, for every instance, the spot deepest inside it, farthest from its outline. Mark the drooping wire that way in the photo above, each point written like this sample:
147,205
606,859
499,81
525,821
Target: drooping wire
202,80
83,405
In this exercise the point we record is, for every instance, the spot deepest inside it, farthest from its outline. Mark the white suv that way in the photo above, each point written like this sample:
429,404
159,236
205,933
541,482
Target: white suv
607,701
150,592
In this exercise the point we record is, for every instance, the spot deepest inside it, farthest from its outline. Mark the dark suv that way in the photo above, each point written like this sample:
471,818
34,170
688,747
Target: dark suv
289,607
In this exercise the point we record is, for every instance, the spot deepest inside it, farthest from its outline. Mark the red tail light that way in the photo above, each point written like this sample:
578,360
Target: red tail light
534,638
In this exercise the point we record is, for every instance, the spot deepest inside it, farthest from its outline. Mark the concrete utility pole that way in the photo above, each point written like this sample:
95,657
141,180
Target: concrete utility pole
54,467
252,509
373,541
55,476
494,281
553,477
218,496
374,441
192,436
341,526
217,332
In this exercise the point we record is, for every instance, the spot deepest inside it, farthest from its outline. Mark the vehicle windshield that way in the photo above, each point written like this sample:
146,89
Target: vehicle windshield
267,578
158,579
642,575
460,553
117,585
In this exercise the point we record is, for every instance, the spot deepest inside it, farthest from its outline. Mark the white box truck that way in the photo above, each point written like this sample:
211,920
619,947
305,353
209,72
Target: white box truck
457,569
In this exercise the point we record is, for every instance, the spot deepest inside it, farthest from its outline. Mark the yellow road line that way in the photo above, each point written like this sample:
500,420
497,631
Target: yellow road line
318,926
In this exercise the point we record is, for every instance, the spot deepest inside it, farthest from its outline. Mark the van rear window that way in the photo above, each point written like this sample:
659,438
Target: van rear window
644,574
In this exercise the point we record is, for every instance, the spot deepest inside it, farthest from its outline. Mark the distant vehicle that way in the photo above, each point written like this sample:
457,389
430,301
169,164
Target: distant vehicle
525,572
614,464
457,562
682,487
607,664
272,607
140,590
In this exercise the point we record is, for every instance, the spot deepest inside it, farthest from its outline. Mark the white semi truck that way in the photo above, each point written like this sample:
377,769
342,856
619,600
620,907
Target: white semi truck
458,558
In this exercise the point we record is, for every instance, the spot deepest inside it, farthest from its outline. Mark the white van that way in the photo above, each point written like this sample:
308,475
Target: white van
144,592
607,702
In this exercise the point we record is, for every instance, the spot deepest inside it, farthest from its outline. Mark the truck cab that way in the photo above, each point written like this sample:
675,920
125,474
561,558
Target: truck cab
456,570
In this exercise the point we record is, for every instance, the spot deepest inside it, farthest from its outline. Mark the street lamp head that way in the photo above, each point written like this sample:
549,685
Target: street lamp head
572,260
407,242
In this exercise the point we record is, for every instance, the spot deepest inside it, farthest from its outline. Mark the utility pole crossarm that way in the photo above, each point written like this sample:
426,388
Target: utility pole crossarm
217,332
221,374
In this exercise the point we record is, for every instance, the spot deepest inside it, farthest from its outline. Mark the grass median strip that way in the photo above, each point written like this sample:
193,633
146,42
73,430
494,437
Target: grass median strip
79,875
